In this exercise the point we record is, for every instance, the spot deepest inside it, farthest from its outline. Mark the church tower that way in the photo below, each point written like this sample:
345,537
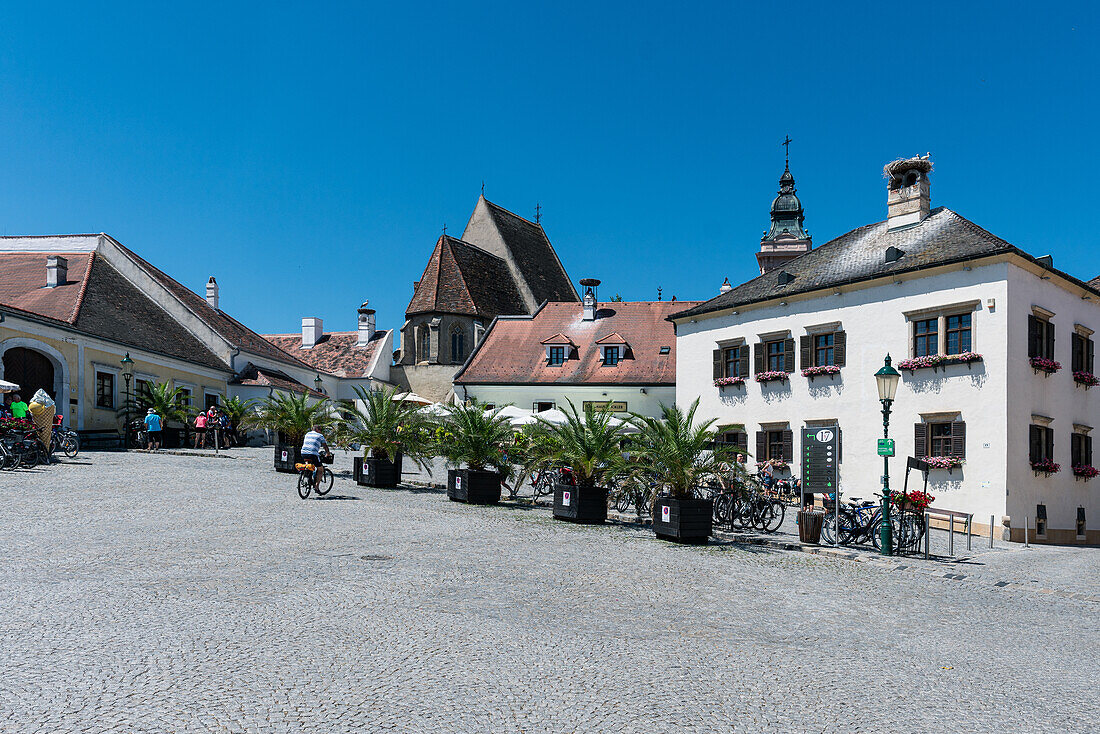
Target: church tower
787,238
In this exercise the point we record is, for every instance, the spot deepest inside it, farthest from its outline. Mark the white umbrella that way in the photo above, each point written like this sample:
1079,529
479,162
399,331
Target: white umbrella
622,425
8,386
553,416
435,410
510,412
410,397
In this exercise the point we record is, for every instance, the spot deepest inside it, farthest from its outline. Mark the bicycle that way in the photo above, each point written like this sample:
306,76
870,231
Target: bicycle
306,472
859,521
65,440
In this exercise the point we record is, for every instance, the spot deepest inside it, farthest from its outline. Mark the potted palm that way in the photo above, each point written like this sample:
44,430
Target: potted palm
476,437
587,444
290,416
388,430
169,404
681,455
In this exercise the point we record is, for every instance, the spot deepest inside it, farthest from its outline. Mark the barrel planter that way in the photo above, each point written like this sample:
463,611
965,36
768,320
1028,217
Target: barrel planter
683,520
473,487
580,504
381,473
286,456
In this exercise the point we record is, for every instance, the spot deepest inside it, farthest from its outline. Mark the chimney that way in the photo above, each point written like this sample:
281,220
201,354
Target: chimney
908,199
311,331
589,301
212,293
726,287
57,271
366,325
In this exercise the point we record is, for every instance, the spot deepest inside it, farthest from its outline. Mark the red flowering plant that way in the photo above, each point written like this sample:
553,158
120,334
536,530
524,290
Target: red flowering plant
1085,471
1042,364
1047,466
729,381
15,424
1085,378
938,360
915,501
828,369
771,375
943,462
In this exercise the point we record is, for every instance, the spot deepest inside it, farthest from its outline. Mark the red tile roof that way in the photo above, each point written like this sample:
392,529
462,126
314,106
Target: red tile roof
23,284
254,376
464,279
513,352
336,353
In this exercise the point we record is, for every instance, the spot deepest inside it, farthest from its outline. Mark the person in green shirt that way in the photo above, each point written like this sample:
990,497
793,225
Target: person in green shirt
18,407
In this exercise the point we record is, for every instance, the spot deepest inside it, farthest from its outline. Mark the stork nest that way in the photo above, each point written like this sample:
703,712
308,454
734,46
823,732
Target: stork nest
901,165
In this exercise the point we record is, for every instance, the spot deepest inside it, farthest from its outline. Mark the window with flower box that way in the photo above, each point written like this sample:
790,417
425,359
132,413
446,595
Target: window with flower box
775,444
1040,337
825,349
1040,443
1080,449
940,438
774,355
735,361
1082,356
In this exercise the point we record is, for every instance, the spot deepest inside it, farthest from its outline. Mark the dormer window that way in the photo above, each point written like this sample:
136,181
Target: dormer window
612,355
555,356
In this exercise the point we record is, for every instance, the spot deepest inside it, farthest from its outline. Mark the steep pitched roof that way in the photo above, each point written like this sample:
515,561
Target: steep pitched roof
463,279
512,351
254,376
97,300
943,237
337,353
533,254
1095,282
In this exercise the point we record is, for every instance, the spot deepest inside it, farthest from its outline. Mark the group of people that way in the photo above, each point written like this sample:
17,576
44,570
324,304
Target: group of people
15,407
212,429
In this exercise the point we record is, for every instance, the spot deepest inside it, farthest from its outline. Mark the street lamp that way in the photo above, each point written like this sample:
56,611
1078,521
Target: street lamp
127,375
887,379
318,384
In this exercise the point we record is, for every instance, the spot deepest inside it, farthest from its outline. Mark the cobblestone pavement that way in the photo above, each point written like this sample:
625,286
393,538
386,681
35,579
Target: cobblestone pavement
180,593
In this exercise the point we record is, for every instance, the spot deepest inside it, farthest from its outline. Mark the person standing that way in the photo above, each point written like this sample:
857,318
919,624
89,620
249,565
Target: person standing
18,407
153,428
200,430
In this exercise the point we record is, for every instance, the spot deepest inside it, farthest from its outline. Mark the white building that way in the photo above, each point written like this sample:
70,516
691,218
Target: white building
925,285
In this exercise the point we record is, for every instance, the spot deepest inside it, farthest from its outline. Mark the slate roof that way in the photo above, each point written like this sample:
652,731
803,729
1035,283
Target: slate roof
512,351
464,279
336,353
534,256
254,376
943,237
97,300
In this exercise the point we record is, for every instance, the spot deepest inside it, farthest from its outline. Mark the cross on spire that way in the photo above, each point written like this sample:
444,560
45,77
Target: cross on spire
444,229
538,212
787,146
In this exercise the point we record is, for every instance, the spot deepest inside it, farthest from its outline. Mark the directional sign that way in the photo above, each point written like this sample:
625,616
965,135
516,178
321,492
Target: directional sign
820,454
886,447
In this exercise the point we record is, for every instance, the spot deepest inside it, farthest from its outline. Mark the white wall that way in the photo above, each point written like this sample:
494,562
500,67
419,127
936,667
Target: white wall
523,396
874,323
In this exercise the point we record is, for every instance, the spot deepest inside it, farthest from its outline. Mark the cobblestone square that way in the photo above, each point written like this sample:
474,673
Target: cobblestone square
162,593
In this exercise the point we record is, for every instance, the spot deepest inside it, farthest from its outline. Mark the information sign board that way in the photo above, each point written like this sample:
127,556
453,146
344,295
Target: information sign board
886,447
820,453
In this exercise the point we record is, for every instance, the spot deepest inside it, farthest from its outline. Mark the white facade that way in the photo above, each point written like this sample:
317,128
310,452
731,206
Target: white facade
642,400
995,397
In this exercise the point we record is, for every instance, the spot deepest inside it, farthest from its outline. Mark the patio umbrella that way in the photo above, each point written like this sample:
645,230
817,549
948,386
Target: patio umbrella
552,416
8,386
410,397
435,410
510,412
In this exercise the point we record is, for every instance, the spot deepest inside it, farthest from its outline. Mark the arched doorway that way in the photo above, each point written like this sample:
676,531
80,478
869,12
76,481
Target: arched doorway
31,370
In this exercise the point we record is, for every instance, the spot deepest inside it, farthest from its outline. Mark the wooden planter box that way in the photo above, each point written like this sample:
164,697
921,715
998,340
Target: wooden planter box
580,504
473,487
286,456
685,521
382,473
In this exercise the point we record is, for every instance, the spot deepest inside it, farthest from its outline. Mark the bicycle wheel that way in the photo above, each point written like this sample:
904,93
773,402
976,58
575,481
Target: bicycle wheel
28,454
722,509
828,529
326,483
774,514
71,446
305,484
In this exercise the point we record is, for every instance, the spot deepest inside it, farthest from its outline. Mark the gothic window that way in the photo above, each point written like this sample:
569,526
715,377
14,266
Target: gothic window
458,345
423,344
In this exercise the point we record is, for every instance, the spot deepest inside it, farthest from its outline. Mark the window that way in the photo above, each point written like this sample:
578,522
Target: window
423,344
211,399
1041,443
104,390
1080,449
1082,354
1040,337
940,438
1081,523
736,438
1041,520
458,346
555,356
775,444
775,356
185,396
926,337
736,360
823,350
665,350
141,387
958,333
611,356
539,407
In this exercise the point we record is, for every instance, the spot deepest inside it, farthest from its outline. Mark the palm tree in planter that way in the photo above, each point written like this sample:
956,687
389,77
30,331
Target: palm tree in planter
290,415
388,430
588,445
169,404
681,455
477,438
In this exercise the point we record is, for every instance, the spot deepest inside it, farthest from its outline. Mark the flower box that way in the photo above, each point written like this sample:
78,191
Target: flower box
1046,466
824,371
1044,365
943,462
935,361
1085,471
776,464
729,381
1086,378
915,501
771,376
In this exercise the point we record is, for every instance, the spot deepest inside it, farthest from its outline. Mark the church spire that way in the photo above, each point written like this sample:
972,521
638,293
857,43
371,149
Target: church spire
787,238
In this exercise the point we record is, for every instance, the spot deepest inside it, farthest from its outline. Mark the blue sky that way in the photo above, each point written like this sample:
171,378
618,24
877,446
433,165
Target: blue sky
308,155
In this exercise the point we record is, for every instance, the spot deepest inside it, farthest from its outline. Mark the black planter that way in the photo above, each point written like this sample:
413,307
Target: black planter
473,487
580,504
356,468
375,472
286,456
685,521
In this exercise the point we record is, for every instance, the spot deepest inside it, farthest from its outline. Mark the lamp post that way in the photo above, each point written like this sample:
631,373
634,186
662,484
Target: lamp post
318,384
127,375
887,379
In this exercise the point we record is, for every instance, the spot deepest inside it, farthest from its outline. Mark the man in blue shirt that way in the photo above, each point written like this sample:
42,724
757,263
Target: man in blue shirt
152,427
312,445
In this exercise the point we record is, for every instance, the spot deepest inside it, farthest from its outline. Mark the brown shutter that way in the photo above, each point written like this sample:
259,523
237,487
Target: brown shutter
1034,443
788,444
743,362
758,357
1088,355
761,445
1050,341
788,355
1087,458
806,357
1032,336
920,439
1050,443
743,442
958,439
718,364
840,348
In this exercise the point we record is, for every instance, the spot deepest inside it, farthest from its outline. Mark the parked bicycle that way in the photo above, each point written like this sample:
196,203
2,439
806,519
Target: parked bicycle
860,521
65,440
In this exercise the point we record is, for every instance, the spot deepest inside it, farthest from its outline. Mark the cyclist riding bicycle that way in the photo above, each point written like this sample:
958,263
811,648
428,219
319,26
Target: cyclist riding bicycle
312,446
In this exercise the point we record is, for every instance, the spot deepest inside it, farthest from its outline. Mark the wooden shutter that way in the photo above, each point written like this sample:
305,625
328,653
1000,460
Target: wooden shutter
958,439
1087,453
1035,443
788,355
1050,341
788,441
718,366
806,356
1032,336
743,369
743,442
840,348
1049,436
920,439
761,445
758,357
1088,355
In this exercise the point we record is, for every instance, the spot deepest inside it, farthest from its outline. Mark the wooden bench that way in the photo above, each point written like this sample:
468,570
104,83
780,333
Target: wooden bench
100,441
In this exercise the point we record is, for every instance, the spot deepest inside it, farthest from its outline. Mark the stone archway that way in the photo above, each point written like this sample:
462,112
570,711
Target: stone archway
26,359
